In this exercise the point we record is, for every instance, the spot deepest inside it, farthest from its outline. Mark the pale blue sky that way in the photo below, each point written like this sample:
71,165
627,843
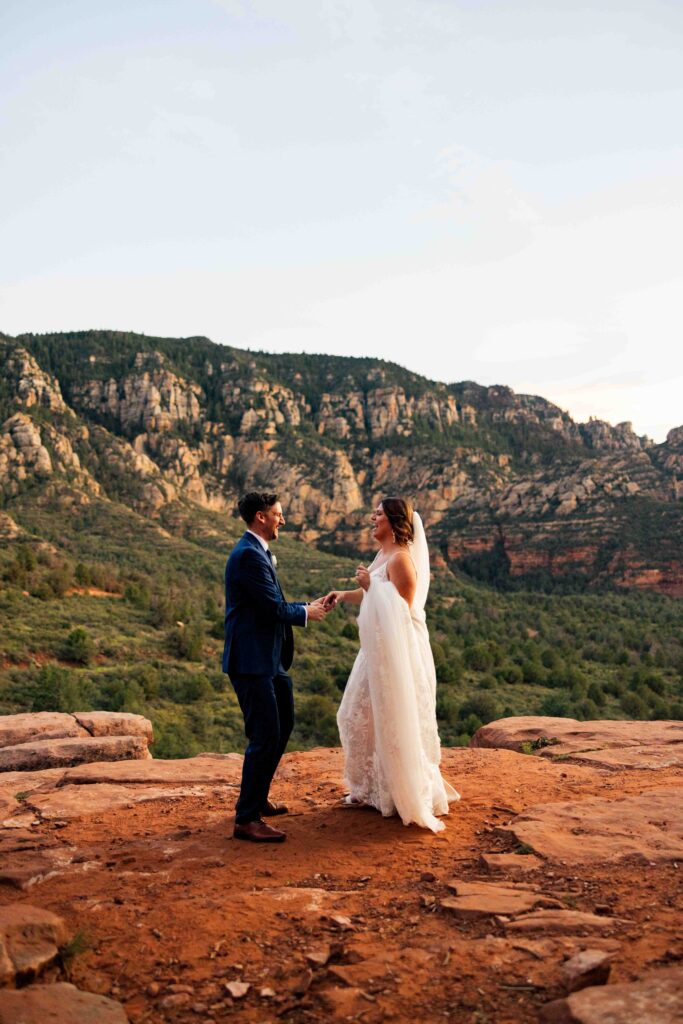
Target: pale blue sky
478,190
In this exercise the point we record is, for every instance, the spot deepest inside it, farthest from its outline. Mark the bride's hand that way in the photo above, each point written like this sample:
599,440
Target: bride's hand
332,599
363,577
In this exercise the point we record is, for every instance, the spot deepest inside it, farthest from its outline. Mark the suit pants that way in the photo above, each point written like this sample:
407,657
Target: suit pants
267,703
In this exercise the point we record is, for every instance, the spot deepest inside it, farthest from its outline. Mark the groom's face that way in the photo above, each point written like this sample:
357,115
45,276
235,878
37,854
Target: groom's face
271,520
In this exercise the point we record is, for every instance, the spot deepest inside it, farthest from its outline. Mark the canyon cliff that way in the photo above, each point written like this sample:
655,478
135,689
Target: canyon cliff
511,488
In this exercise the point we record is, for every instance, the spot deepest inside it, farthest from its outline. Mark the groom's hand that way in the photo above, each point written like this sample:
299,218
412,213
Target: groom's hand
317,610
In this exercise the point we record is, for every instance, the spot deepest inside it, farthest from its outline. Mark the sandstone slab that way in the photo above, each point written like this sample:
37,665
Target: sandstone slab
77,750
29,941
24,871
73,801
481,899
509,863
115,723
38,725
553,737
58,1004
652,757
560,922
656,999
649,825
200,770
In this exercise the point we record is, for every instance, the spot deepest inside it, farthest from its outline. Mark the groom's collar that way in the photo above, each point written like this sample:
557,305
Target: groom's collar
262,542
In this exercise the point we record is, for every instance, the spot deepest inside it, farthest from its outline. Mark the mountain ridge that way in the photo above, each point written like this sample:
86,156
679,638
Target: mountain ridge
513,490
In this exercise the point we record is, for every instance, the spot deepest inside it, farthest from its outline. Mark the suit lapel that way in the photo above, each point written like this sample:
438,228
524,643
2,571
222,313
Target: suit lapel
251,539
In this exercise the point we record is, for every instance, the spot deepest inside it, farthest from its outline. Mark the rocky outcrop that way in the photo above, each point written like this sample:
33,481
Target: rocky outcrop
32,386
151,398
609,744
22,452
499,477
33,741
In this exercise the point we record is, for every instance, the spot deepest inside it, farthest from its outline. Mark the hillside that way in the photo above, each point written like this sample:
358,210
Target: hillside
117,517
512,489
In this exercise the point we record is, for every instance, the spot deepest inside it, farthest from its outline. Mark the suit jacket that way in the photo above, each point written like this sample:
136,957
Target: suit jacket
258,620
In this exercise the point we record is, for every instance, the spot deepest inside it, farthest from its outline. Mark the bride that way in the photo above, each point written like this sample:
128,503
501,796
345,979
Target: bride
387,717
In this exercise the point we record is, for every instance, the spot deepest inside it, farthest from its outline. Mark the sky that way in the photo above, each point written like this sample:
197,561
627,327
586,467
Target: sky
477,190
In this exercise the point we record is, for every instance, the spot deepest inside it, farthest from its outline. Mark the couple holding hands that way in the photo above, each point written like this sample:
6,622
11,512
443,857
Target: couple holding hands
387,716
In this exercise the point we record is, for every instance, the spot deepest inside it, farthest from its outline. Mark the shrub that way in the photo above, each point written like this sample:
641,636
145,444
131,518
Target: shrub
482,705
78,647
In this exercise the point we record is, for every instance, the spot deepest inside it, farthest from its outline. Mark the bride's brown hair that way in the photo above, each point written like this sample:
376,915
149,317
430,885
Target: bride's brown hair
400,515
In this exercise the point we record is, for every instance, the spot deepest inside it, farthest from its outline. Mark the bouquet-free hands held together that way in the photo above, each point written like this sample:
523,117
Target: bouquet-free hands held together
318,609
336,597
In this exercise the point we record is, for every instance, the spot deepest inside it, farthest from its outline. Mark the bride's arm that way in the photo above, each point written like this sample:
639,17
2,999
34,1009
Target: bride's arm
402,574
345,596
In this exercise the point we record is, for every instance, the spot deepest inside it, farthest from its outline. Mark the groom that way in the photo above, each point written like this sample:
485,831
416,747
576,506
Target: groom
259,647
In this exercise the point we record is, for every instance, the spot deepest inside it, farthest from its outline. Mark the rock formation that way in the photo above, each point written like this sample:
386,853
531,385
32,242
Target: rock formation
509,485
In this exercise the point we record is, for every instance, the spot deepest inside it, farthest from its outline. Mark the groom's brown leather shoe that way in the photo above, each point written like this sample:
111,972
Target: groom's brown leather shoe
271,810
258,832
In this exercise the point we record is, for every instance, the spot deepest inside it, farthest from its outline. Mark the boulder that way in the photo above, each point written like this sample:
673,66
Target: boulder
38,725
115,723
648,825
29,941
58,1004
480,899
61,752
656,999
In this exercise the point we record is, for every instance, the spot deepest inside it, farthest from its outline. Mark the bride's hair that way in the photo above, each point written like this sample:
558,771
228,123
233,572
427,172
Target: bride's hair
400,515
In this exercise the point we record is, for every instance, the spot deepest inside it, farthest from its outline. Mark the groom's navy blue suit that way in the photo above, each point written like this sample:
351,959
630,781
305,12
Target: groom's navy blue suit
259,647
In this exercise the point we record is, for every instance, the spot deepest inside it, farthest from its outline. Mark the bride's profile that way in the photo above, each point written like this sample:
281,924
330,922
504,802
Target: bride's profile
387,717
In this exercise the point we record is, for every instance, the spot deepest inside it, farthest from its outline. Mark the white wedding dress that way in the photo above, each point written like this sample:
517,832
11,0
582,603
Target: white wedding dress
387,717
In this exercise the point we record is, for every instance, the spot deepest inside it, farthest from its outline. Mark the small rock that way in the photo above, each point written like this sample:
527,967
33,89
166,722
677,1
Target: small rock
267,993
153,989
175,1001
318,956
589,967
427,876
341,922
199,1007
298,984
237,989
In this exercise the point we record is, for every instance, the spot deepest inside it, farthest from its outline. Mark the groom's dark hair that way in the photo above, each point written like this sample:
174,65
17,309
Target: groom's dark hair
253,502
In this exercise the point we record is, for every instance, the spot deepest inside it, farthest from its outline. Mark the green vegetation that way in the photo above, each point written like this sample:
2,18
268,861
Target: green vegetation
103,608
